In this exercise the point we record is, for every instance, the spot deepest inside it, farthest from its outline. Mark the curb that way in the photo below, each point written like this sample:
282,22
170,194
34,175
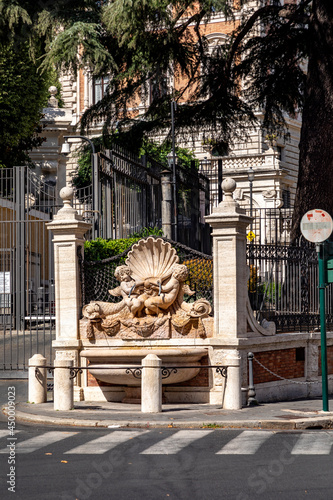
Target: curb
292,424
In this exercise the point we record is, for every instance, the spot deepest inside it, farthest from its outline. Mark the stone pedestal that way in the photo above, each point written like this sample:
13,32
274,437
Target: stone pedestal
37,379
151,384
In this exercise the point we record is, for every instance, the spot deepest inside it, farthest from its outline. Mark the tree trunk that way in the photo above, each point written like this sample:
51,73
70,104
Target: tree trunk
315,178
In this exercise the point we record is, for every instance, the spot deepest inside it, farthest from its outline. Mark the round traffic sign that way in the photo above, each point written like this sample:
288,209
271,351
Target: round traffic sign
316,226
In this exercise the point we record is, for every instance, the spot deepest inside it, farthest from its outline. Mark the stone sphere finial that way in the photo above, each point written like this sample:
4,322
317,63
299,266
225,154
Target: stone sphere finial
53,101
53,90
66,194
228,187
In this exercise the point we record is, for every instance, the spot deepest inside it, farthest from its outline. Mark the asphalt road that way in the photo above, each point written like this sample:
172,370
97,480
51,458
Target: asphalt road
77,463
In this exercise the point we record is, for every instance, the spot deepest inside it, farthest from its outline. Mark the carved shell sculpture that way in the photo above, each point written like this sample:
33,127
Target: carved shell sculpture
152,258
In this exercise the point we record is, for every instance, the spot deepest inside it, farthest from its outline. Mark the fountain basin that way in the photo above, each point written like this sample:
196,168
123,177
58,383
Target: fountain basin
111,365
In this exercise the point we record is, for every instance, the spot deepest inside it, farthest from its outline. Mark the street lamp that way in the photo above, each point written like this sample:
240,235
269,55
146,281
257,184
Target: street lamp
250,175
65,150
172,162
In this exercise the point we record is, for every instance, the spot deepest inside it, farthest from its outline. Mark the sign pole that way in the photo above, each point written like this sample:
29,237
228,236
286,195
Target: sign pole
317,227
322,286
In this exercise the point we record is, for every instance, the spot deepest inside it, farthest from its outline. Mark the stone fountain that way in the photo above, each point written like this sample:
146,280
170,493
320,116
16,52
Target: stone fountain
147,314
151,306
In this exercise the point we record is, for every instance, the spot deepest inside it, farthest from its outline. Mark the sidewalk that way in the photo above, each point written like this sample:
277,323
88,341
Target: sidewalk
288,415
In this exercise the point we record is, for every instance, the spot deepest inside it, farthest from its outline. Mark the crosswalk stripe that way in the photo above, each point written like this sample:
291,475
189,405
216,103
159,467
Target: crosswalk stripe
174,443
105,443
313,444
246,443
38,442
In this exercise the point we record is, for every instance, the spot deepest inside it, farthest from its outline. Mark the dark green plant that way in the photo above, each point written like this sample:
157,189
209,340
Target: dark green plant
23,93
100,248
159,152
147,231
271,292
220,91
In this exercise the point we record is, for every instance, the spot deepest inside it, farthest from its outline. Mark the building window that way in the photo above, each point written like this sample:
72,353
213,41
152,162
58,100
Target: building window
158,87
99,88
286,198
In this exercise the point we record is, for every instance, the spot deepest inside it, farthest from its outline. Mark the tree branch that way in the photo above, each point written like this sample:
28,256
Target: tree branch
252,20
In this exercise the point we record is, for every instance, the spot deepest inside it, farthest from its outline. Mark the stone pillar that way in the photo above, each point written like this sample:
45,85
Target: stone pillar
37,379
63,385
233,394
68,230
166,185
151,384
229,224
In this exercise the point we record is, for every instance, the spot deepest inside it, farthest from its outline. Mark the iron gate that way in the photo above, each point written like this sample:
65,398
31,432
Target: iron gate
27,302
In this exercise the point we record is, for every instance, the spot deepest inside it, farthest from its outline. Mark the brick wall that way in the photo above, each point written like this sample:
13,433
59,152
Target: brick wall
287,363
329,360
200,380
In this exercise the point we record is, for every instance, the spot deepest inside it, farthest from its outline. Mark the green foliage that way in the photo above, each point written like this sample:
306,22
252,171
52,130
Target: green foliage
271,292
100,248
83,176
147,231
268,292
159,152
125,39
23,93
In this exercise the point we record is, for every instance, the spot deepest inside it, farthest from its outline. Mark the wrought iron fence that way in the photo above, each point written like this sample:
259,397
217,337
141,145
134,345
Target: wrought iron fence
98,278
283,286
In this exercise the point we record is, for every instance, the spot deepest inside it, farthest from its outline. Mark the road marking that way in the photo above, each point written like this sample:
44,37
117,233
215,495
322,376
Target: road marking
314,444
38,442
174,443
105,443
246,443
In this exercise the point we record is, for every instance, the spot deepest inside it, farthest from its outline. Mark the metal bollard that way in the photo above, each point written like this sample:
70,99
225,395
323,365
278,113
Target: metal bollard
251,393
37,379
151,384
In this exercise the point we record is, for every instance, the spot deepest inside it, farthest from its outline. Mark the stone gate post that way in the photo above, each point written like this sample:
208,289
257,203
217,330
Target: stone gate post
68,230
229,224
